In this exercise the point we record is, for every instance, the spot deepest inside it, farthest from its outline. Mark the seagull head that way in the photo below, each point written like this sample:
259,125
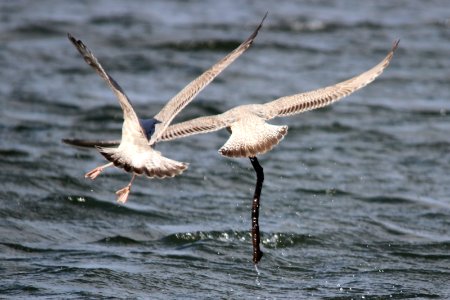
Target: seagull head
149,126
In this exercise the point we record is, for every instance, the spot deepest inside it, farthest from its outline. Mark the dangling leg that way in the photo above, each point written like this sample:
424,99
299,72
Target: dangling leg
257,253
123,193
94,173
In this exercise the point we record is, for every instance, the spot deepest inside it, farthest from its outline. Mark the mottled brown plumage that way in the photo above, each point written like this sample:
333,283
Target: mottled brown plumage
250,134
134,153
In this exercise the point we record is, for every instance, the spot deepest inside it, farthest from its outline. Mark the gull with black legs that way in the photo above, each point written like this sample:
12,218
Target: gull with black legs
252,136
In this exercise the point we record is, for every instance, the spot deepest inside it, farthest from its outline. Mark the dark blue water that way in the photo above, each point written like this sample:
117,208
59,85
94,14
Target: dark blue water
356,202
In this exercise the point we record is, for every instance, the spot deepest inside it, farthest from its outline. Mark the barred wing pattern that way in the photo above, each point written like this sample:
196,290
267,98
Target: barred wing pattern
186,95
194,126
179,130
299,103
241,118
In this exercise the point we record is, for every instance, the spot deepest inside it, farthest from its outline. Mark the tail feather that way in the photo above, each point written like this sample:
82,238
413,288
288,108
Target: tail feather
249,141
150,162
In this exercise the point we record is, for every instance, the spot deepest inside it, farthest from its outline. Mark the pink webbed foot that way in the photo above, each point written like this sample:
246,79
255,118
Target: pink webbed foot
95,172
123,194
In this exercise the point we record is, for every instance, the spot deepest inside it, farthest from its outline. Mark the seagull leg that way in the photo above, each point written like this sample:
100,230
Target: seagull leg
257,253
94,173
123,193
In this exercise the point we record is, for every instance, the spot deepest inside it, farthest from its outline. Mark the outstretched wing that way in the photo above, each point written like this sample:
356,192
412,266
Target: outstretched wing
131,127
194,126
91,143
187,94
176,131
298,103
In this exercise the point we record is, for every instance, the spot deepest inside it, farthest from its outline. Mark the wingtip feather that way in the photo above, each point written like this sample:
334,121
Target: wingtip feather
395,45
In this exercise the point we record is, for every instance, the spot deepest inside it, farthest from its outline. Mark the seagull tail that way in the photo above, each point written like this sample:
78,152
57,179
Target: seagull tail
262,138
150,163
165,167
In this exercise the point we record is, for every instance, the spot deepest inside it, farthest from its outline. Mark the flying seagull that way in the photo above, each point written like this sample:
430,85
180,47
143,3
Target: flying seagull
135,153
251,135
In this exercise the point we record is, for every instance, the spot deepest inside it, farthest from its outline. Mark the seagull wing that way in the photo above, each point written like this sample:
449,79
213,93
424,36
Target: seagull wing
187,94
175,131
91,143
298,103
131,130
194,126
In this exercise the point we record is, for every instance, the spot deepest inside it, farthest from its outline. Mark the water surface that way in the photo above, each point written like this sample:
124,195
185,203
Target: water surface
356,199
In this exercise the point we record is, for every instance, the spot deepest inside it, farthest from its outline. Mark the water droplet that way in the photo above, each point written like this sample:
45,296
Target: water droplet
225,236
258,282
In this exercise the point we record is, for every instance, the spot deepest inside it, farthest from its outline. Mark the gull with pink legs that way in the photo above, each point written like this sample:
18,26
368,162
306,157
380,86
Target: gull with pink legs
251,135
135,153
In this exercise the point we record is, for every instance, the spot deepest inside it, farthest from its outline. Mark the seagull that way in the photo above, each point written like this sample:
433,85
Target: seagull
252,136
135,153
